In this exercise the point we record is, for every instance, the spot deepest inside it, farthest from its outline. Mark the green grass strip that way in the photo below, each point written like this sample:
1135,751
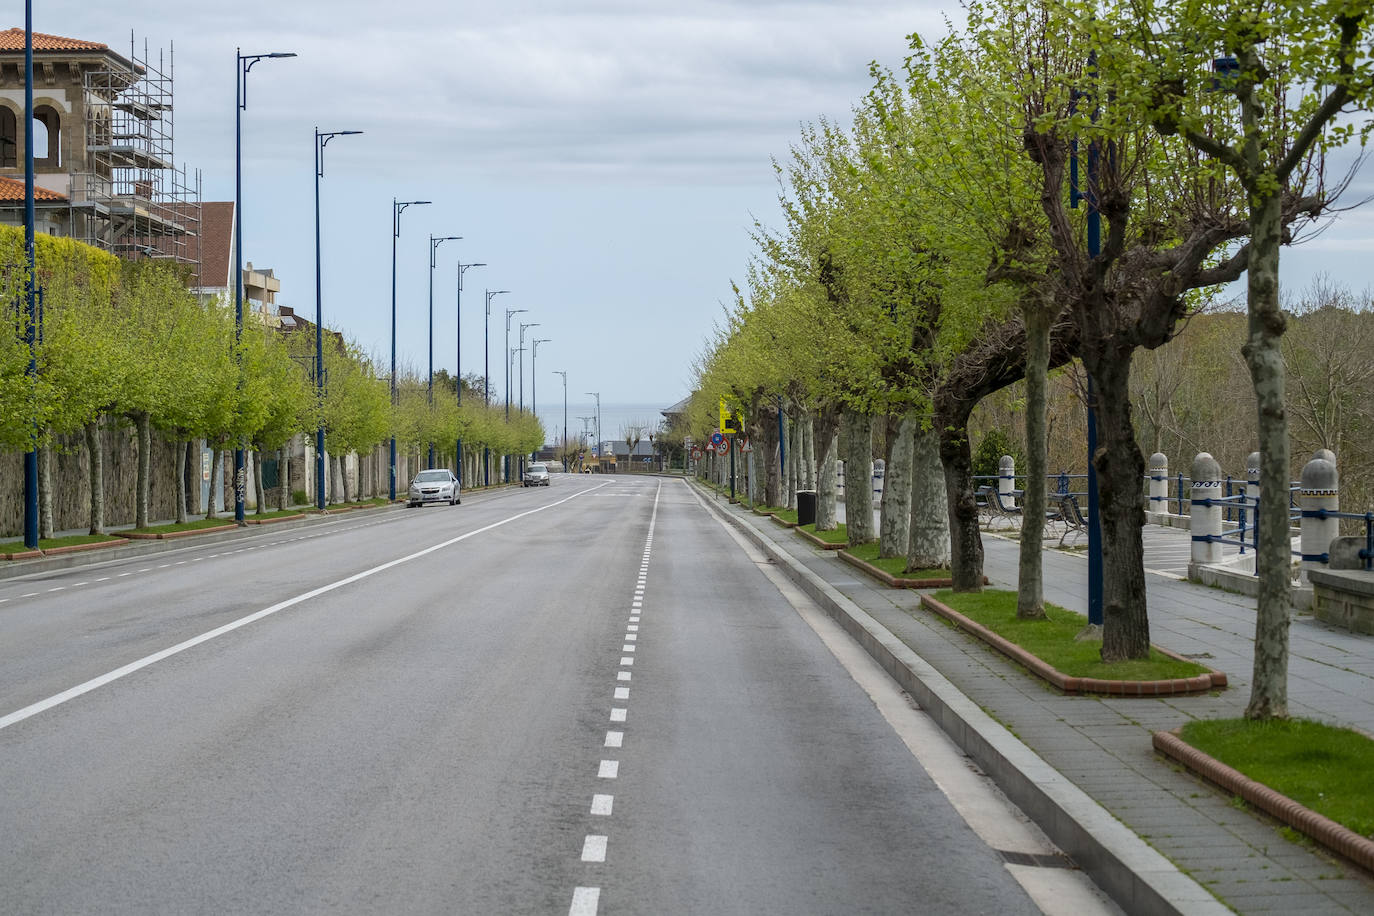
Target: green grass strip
1052,639
787,515
12,547
838,536
275,513
196,525
1324,768
893,566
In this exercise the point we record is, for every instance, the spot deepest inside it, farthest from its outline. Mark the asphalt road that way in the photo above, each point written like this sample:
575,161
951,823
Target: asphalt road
579,699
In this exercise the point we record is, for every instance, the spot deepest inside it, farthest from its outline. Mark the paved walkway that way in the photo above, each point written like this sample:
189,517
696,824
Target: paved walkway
1103,744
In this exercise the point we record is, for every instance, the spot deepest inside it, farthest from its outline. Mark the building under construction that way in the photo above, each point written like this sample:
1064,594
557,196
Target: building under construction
103,148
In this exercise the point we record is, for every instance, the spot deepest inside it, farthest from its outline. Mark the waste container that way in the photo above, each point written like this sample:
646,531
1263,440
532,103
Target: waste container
806,507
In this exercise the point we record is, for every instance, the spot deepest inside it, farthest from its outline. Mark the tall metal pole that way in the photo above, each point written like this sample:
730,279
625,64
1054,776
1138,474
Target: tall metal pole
397,208
534,383
242,64
486,378
564,373
458,359
321,141
434,244
30,277
597,395
523,328
509,313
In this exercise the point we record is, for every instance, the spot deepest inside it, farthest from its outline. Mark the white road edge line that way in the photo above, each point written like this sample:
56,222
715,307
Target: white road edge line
34,709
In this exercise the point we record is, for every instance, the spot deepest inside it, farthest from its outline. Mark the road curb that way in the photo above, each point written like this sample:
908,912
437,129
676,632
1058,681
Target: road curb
1123,865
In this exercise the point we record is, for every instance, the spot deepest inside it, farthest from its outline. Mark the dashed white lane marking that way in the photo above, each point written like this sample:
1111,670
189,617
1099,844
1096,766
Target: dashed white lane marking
627,660
615,739
622,675
631,637
30,595
584,902
609,769
65,696
123,574
627,648
594,849
618,715
103,579
632,627
602,805
78,584
60,588
622,693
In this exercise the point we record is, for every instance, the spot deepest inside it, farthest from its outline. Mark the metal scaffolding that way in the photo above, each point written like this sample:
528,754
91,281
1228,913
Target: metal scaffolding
130,198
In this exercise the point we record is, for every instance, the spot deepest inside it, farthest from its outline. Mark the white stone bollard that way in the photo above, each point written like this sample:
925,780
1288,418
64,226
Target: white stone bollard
1252,495
1159,483
1006,480
1318,488
1205,519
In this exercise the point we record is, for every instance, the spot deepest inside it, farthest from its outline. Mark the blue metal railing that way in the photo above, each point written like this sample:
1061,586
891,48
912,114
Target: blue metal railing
1367,554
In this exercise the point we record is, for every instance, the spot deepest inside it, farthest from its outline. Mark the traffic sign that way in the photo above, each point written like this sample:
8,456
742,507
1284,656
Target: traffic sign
717,439
723,447
744,445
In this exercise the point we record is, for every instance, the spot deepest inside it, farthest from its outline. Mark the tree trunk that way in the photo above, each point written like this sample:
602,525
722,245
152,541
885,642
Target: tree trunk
143,476
181,451
45,526
1120,470
826,423
858,478
96,451
1269,683
259,490
928,543
343,476
956,457
216,492
1030,590
895,528
340,489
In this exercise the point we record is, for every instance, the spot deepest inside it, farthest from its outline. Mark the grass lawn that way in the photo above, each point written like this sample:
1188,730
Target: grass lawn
9,547
787,515
894,566
1052,640
838,536
196,525
1319,766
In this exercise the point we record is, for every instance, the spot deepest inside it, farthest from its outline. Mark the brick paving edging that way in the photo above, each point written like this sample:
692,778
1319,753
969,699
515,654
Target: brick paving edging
273,520
1201,683
81,548
1342,840
892,581
819,542
169,535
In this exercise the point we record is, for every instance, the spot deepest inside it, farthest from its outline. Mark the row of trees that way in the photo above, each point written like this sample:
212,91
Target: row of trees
129,341
1052,181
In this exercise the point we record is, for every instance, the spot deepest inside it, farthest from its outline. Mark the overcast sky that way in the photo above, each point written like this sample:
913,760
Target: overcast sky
605,158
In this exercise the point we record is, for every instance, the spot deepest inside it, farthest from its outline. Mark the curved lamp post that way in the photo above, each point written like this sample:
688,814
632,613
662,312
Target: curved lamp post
458,360
486,374
243,63
321,141
397,208
434,243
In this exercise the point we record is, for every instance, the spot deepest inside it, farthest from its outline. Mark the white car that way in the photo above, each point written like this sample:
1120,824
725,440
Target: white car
537,475
436,485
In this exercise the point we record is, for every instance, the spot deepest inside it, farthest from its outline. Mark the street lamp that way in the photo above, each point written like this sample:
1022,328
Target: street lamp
597,395
397,208
509,313
534,384
321,141
564,373
486,374
458,361
510,368
243,63
523,327
31,456
434,243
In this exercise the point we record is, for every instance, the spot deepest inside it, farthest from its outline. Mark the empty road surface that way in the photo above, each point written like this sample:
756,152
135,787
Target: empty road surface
586,698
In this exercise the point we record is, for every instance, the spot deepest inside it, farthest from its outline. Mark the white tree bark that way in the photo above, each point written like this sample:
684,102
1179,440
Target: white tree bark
895,532
929,537
858,477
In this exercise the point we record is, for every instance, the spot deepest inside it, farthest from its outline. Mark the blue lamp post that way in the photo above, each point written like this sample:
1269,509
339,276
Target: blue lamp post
434,243
397,208
31,456
521,385
510,359
243,63
564,373
534,378
486,374
321,141
458,360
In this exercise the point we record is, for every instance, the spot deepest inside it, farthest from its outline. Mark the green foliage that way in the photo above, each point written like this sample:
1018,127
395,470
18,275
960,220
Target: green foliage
987,457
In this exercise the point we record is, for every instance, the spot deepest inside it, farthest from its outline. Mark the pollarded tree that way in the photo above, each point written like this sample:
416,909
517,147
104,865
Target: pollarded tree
1257,87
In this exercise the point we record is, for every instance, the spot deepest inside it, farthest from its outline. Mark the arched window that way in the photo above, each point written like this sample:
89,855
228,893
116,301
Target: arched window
47,136
9,139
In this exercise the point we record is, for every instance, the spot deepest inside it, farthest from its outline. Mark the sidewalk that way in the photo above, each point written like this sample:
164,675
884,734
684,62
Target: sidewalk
1102,745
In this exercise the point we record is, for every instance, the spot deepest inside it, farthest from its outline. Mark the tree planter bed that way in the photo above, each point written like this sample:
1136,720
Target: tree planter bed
823,544
897,581
1069,684
169,535
77,548
279,518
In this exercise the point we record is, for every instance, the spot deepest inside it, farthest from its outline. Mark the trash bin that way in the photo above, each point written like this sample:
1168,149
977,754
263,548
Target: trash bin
806,507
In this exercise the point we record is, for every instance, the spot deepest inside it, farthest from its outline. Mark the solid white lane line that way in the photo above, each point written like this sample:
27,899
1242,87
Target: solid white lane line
609,769
584,901
594,849
34,709
622,693
602,805
618,715
614,739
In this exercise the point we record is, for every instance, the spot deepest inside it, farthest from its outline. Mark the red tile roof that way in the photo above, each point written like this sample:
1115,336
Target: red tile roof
12,191
13,40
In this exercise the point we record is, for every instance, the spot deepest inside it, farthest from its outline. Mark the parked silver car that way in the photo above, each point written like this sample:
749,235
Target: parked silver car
537,475
436,485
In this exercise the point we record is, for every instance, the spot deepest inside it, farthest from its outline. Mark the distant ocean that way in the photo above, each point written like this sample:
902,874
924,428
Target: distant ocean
615,418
